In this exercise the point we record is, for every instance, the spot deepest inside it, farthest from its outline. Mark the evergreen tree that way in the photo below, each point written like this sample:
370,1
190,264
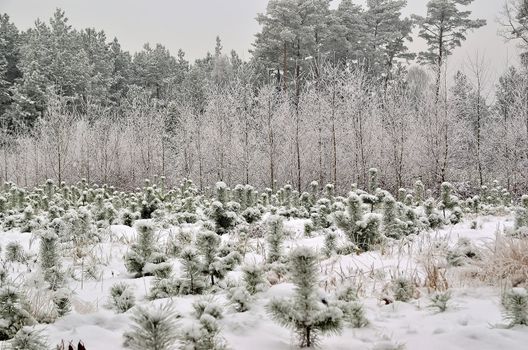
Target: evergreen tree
28,339
305,313
275,238
515,303
444,28
50,260
152,329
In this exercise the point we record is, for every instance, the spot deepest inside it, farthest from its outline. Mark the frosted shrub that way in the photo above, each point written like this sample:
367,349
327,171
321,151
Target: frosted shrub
164,288
202,334
369,232
521,214
14,252
463,252
372,180
240,298
515,304
153,329
347,221
440,301
353,311
208,243
121,297
403,289
305,313
251,215
330,243
207,306
62,301
28,339
392,225
13,312
224,219
253,276
354,314
204,331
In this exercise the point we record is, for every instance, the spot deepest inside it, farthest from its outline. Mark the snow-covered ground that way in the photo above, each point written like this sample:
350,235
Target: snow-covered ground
473,319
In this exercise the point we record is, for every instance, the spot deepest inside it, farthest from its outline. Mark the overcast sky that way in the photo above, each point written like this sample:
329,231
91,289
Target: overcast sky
192,25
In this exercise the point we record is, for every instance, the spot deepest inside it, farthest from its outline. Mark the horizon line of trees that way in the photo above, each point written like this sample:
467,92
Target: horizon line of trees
327,94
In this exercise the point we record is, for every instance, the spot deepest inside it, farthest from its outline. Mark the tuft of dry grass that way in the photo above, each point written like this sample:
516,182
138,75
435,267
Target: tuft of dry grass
506,260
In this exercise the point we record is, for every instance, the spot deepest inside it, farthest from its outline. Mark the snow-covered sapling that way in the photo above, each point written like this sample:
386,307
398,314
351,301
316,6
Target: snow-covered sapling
253,277
49,259
204,332
214,265
403,288
275,238
306,314
121,297
13,312
330,243
372,180
153,328
192,280
419,192
353,311
28,339
141,252
14,252
521,214
240,298
440,301
515,303
347,221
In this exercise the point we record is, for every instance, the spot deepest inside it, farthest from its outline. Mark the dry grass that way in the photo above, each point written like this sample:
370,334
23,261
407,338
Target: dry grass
506,260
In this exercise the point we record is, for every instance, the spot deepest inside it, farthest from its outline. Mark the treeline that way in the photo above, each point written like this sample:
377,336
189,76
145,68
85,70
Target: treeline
327,94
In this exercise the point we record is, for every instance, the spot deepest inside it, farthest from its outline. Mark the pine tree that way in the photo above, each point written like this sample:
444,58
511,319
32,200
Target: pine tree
515,303
204,331
143,251
444,28
305,313
153,329
121,297
253,276
192,281
372,180
275,238
13,312
28,339
50,260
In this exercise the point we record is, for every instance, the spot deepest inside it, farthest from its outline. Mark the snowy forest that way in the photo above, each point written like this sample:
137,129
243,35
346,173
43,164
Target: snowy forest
336,190
327,94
